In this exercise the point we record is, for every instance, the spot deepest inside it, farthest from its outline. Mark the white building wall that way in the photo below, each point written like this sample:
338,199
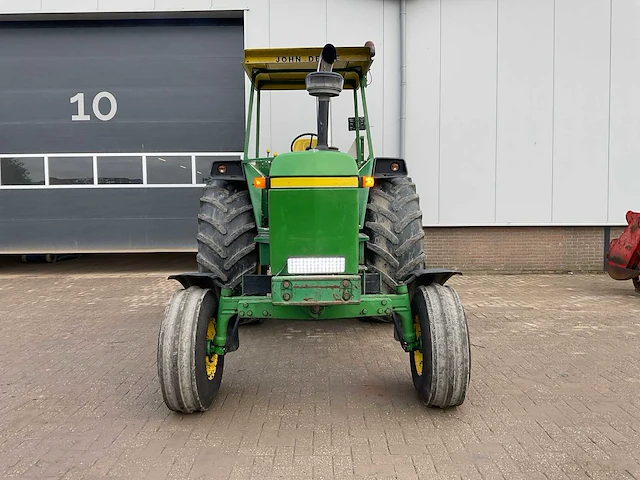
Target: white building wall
519,112
624,148
524,113
526,110
581,111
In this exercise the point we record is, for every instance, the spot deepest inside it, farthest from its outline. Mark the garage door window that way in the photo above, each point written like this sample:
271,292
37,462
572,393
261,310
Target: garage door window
22,171
164,170
71,171
104,170
119,170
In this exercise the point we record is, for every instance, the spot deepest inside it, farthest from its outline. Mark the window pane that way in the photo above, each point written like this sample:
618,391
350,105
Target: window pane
71,171
119,170
174,170
22,171
203,167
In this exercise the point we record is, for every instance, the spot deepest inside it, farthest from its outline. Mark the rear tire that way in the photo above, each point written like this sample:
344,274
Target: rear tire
189,379
393,223
441,370
226,233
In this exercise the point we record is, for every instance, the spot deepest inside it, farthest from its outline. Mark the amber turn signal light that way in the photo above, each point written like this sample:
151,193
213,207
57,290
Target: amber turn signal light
260,182
367,182
222,168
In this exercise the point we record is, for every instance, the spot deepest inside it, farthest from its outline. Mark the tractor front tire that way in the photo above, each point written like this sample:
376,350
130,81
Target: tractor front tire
226,233
189,378
441,369
393,223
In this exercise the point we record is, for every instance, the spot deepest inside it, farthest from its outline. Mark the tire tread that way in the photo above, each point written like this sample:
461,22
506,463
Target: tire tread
176,354
393,222
226,233
450,347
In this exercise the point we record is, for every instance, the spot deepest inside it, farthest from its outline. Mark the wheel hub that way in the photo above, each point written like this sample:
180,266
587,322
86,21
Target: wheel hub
211,360
417,354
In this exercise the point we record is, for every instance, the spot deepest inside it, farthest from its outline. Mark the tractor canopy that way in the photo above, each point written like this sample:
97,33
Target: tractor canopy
287,68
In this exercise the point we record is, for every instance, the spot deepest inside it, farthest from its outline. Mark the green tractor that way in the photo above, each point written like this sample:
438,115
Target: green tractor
311,234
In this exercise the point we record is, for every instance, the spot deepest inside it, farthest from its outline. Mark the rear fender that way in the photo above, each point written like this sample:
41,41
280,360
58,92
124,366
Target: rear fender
382,167
230,169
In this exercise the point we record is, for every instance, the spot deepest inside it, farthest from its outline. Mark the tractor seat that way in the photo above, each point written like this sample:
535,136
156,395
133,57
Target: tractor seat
301,144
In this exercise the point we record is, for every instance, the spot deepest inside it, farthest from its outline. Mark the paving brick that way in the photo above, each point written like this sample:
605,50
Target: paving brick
374,470
554,390
342,466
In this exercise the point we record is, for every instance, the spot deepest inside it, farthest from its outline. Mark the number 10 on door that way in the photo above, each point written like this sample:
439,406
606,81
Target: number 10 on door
105,117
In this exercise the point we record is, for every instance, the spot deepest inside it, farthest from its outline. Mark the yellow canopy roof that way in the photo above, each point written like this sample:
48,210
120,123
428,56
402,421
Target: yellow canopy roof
286,68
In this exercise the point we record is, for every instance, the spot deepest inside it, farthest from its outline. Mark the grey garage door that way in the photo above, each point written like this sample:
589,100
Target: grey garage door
108,130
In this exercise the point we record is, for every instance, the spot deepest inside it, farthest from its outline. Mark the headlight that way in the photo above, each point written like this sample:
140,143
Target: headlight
311,265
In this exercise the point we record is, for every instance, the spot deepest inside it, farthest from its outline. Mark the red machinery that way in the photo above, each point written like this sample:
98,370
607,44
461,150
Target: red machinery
624,253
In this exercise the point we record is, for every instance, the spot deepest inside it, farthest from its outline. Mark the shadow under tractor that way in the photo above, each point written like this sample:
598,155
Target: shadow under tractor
311,234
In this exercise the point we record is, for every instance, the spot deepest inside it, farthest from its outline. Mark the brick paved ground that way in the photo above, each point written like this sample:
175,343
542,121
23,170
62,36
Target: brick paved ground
555,387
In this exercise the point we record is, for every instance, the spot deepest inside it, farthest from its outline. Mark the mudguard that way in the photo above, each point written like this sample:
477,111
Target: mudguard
416,278
428,276
202,280
382,167
229,169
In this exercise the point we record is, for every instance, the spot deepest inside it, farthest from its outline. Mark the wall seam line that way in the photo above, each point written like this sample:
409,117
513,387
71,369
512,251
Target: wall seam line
608,202
270,93
553,105
384,42
439,109
495,164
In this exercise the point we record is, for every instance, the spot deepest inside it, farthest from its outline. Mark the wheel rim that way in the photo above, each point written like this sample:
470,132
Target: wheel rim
211,361
417,354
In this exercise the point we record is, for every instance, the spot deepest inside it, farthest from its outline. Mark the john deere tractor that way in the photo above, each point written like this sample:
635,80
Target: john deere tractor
311,234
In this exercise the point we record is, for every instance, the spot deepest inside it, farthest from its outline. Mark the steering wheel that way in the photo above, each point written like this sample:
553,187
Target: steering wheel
311,135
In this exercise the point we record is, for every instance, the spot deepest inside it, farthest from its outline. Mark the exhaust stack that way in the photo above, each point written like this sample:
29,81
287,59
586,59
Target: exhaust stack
324,84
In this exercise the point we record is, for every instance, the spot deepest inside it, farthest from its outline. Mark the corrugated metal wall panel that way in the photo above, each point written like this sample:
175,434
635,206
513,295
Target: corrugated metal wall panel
370,26
581,111
468,111
624,162
423,104
525,111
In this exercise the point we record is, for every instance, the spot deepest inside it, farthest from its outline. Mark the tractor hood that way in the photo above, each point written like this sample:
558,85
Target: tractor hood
313,213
